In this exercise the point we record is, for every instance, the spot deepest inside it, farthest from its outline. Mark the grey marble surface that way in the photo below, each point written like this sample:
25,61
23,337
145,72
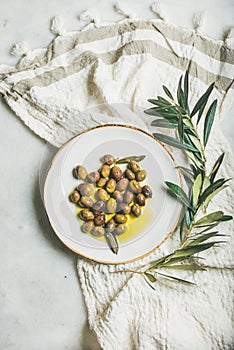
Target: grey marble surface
40,297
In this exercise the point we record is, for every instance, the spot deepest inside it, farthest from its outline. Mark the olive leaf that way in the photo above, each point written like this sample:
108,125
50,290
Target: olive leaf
202,100
205,237
150,277
174,278
179,193
209,121
212,195
196,189
186,90
216,167
165,123
174,142
112,241
187,267
167,92
226,218
127,159
210,218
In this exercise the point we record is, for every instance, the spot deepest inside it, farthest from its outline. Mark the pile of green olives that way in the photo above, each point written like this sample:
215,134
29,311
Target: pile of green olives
107,197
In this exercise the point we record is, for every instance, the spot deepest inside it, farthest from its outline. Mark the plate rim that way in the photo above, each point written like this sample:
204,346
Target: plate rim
82,254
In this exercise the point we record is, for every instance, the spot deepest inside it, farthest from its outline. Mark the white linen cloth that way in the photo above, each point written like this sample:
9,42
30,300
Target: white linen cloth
128,63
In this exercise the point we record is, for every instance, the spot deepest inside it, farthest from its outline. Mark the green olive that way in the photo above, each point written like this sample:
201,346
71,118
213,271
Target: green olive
99,206
105,170
130,174
111,206
87,226
99,220
79,172
101,182
134,186
74,196
128,197
102,194
122,184
146,190
120,218
118,196
93,177
116,173
140,199
108,159
86,202
86,189
98,231
141,175
110,186
110,225
136,210
124,208
120,229
134,166
86,215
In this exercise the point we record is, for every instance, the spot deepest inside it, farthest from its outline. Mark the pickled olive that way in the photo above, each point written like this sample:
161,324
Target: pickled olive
99,206
102,194
116,173
98,231
87,226
99,220
120,218
135,187
118,196
123,208
79,172
111,206
130,174
101,182
122,184
86,202
110,225
86,189
93,177
141,175
105,170
140,198
86,215
120,229
110,186
108,159
146,190
128,197
74,197
136,210
134,166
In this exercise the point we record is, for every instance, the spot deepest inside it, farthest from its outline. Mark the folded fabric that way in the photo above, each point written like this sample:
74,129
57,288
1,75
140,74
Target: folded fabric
106,75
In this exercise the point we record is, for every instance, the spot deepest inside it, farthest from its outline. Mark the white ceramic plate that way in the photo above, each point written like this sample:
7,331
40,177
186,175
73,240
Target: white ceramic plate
158,219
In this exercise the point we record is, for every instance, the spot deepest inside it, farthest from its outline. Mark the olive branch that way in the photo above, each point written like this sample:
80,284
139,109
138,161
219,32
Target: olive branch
196,231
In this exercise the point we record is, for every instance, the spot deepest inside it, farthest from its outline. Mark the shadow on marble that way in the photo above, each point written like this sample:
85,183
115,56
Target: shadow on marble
89,339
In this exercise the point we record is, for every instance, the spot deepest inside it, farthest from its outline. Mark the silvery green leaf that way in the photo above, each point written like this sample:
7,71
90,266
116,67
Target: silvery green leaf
174,278
165,123
112,241
212,195
209,218
213,187
150,277
196,189
206,183
127,159
186,89
189,251
216,167
173,142
187,267
178,192
204,238
167,92
226,218
181,128
202,100
209,121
